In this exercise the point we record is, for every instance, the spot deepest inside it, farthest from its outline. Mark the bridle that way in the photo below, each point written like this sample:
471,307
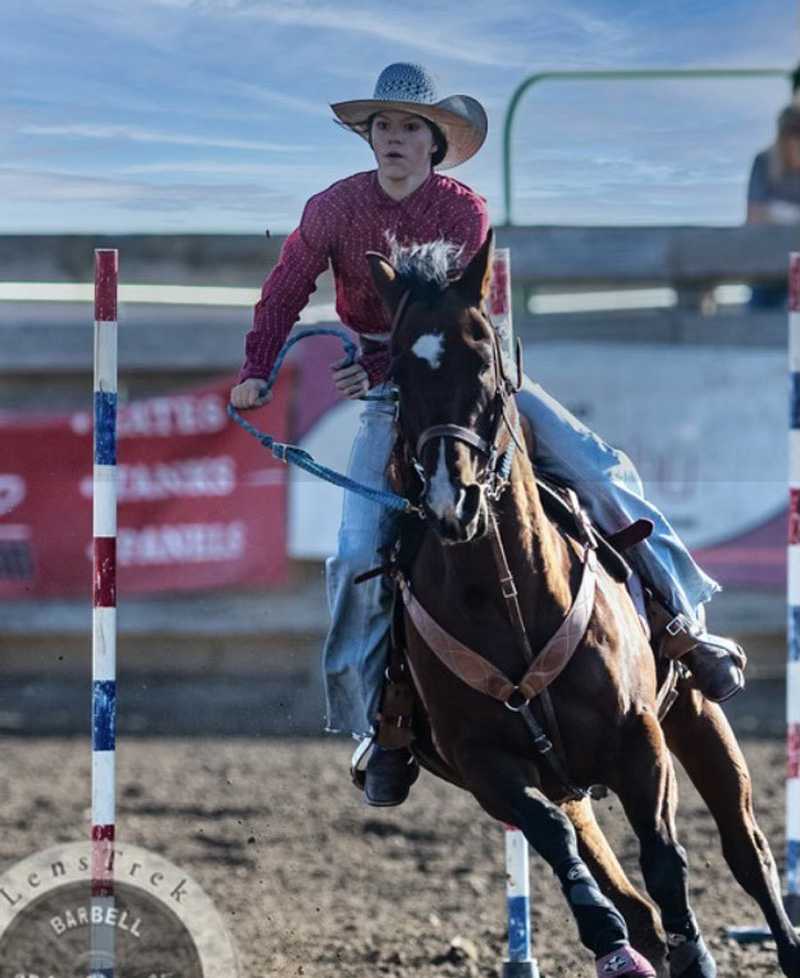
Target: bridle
497,451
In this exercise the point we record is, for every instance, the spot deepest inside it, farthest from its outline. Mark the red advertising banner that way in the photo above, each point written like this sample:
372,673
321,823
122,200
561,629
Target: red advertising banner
201,503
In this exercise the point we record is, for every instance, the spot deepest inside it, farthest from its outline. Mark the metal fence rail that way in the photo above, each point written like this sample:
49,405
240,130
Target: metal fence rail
646,74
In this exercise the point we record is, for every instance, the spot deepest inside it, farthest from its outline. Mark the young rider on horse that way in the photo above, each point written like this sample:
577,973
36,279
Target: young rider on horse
405,200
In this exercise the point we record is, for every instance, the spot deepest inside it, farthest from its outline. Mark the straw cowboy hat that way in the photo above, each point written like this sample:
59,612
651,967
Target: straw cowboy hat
410,88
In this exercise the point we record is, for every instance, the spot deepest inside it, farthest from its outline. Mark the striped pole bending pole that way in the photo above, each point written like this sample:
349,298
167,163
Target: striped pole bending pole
500,308
747,935
793,589
519,964
104,618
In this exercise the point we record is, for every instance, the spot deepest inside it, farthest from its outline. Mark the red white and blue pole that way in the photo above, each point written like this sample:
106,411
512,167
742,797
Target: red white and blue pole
104,616
793,594
520,963
792,896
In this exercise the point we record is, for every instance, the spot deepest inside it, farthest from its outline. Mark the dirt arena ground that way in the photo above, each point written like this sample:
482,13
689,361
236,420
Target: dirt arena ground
313,883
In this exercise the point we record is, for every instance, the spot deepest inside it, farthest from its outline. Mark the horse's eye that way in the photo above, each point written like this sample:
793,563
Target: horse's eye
478,329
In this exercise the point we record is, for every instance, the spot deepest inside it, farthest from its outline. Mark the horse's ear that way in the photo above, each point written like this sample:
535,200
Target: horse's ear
386,280
474,282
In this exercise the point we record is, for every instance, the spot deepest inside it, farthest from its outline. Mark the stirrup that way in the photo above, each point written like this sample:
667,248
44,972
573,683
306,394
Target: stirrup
359,761
681,625
672,635
706,642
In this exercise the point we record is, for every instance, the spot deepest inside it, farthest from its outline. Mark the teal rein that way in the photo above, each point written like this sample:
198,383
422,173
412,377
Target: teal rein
297,456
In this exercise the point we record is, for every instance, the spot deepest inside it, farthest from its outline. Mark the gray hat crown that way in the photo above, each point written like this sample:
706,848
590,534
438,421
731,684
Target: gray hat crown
404,82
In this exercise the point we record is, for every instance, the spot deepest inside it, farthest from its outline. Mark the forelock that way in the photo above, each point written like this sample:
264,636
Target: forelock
432,263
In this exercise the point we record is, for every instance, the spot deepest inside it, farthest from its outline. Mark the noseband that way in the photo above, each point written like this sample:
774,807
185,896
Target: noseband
494,476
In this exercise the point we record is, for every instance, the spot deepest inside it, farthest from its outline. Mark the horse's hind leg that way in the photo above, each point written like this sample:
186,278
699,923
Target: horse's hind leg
641,916
700,736
648,793
506,788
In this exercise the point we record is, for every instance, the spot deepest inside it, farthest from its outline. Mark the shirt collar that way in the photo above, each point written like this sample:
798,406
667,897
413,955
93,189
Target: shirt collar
409,203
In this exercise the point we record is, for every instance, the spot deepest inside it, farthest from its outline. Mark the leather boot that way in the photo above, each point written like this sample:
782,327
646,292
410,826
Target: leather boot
716,663
389,776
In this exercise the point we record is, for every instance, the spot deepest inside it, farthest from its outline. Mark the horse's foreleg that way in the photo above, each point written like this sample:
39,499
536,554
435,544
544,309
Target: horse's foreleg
700,736
648,794
641,916
506,787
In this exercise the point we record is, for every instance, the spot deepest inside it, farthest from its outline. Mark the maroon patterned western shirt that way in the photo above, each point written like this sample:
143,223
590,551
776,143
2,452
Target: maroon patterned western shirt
339,226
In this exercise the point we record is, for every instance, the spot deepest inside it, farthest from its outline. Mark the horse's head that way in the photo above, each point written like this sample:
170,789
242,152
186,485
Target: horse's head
447,364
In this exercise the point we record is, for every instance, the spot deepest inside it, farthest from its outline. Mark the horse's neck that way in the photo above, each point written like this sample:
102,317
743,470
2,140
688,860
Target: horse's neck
532,542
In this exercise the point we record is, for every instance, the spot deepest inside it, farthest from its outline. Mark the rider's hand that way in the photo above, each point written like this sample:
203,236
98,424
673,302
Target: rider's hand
350,381
248,394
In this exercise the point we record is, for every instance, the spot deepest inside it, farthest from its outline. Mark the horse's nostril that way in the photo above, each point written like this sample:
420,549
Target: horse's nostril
456,522
471,503
460,523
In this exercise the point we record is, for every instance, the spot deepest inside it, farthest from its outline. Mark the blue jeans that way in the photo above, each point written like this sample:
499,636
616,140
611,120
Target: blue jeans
355,652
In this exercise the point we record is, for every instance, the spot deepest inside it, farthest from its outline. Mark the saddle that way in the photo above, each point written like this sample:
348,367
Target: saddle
562,507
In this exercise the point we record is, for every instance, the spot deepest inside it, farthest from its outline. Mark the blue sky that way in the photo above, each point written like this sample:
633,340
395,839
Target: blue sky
211,115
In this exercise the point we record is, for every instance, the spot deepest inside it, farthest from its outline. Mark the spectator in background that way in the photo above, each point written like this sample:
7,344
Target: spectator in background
773,193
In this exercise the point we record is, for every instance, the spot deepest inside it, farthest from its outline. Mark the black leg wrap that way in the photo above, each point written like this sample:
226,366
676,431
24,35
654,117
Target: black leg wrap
600,924
691,959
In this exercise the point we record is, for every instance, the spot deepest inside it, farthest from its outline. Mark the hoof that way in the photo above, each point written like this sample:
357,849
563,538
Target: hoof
624,961
691,960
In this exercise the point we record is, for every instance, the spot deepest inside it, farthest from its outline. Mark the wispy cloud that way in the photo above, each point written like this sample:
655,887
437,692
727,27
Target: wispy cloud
589,22
211,168
259,93
137,135
70,188
441,36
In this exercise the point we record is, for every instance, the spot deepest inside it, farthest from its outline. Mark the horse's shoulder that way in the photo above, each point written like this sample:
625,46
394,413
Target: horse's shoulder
613,604
617,632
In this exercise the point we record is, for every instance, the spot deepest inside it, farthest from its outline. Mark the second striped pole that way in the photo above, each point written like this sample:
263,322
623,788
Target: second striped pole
104,616
793,609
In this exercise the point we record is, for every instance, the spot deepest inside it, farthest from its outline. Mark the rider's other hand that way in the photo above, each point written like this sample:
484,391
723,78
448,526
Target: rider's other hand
249,394
350,381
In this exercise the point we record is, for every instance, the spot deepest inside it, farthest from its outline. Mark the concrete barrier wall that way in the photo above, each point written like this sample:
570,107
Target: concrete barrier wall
541,255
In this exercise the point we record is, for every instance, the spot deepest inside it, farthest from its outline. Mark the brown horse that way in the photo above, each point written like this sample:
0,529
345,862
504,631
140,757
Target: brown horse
457,420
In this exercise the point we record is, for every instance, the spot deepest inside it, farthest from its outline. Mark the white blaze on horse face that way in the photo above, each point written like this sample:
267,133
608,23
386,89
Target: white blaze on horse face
430,347
443,499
